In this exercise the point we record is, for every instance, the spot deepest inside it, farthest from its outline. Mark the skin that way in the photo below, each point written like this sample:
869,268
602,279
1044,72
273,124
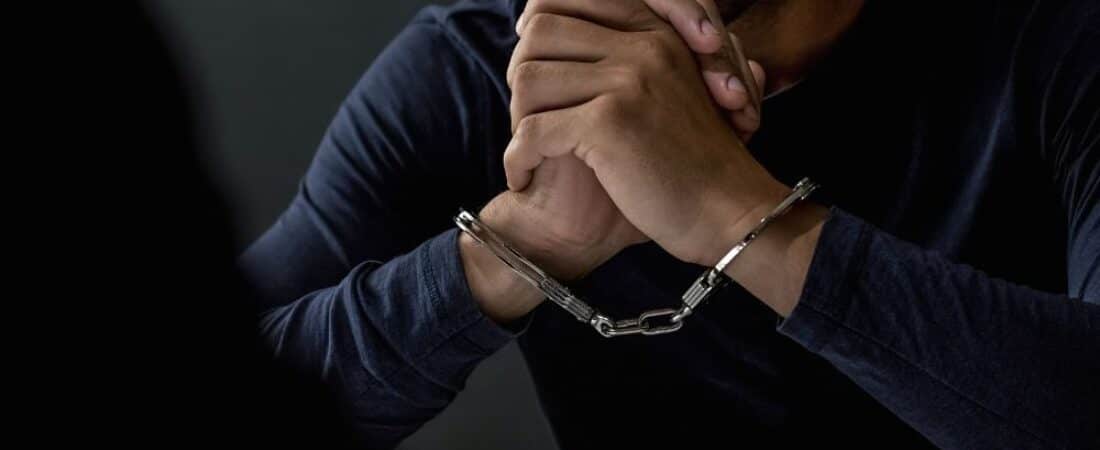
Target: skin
590,169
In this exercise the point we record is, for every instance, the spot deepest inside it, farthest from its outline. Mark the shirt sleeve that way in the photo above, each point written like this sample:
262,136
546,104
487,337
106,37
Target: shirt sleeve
968,360
360,282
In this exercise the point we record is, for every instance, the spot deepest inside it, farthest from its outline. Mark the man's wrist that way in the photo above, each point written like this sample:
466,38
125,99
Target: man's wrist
527,229
502,294
774,267
734,218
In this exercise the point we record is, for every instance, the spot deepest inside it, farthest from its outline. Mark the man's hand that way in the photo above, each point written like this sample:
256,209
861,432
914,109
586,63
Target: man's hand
563,221
690,19
612,84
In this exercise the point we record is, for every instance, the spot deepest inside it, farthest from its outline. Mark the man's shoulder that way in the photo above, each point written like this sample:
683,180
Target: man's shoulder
474,10
483,30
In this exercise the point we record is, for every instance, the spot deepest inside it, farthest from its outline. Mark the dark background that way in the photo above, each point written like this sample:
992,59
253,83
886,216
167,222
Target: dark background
267,77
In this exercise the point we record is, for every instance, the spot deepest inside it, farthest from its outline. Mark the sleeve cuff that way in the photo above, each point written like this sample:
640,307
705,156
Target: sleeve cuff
837,262
455,304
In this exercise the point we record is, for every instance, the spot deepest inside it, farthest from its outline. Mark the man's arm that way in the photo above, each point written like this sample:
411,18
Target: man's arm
968,360
394,342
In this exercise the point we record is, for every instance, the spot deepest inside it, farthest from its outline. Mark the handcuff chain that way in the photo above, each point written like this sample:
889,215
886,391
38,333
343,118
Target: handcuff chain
710,281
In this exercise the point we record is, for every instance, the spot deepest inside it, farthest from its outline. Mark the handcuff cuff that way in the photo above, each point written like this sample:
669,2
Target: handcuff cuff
648,323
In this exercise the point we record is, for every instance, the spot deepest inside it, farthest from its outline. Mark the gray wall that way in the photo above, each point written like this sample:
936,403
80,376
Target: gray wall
269,76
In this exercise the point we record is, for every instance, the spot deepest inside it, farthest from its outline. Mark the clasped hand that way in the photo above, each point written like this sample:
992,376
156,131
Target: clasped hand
619,136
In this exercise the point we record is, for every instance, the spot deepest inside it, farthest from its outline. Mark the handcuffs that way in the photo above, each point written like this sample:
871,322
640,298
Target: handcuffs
657,321
649,323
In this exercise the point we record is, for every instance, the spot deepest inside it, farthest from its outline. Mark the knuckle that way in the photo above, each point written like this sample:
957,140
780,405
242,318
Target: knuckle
526,73
521,52
611,109
526,130
656,48
630,83
541,24
649,48
630,79
511,157
639,14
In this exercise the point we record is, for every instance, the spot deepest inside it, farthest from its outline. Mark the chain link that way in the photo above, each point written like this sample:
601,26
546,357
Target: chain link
650,323
560,294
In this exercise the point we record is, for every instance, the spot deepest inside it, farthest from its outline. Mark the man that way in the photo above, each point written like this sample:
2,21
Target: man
947,139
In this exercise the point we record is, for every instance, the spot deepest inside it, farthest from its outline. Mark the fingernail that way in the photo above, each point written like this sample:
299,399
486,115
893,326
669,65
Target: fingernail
734,84
708,28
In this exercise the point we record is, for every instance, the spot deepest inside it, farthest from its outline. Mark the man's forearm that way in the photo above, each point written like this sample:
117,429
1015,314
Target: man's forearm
773,268
527,225
940,344
394,342
502,295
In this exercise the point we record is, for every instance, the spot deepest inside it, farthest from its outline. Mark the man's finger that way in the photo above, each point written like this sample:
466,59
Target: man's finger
730,91
732,60
745,124
727,90
759,75
690,19
548,85
616,14
539,136
744,71
747,120
731,94
561,38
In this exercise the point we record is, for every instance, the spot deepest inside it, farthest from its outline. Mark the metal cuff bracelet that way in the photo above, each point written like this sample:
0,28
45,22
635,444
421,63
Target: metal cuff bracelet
648,322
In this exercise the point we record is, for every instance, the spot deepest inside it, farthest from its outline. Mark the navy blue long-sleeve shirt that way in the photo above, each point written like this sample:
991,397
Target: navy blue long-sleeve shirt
952,298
